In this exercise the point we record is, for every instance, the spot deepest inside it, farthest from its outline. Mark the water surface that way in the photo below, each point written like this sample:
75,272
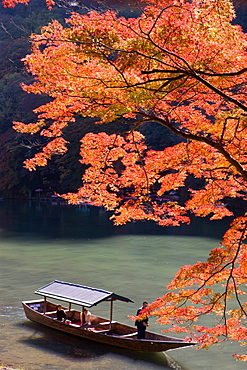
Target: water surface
41,242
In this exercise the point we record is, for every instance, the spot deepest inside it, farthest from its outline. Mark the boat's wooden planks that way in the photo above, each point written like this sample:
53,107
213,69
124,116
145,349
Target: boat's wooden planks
102,330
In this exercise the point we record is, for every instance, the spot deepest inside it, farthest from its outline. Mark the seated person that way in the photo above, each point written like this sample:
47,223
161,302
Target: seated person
61,316
86,317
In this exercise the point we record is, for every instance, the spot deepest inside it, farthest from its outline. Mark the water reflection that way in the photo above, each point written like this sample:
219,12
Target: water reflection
60,343
41,242
46,220
65,345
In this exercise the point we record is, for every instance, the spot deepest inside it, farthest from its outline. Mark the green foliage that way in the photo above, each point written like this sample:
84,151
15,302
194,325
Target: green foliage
17,24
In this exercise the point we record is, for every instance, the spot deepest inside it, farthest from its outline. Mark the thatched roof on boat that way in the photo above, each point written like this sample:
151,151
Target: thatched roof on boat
78,294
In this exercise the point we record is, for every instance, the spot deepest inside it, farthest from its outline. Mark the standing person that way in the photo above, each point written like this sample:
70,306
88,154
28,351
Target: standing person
61,316
141,324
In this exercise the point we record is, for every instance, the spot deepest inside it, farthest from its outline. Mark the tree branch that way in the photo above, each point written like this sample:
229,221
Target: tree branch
189,136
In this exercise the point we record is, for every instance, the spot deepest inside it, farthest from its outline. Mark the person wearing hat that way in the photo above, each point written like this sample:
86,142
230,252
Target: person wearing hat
141,324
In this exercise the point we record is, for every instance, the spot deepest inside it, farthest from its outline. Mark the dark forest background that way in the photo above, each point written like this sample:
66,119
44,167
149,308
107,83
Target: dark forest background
64,172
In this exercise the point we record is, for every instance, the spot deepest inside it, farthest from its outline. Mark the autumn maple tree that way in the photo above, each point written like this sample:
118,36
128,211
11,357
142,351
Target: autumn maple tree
181,64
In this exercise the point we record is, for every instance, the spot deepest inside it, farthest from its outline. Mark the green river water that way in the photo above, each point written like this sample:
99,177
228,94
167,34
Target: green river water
41,242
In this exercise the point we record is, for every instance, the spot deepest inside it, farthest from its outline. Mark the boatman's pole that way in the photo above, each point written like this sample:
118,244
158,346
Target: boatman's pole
111,312
45,304
82,316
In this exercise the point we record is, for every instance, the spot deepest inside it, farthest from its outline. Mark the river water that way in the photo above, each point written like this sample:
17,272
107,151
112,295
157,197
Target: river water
41,242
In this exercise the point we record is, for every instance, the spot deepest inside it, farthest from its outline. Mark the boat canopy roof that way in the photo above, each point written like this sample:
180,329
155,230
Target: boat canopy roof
78,294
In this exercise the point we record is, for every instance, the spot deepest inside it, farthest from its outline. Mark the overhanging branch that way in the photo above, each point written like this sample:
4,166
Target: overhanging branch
189,136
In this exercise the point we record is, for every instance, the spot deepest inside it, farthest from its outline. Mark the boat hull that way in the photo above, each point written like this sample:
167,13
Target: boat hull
114,334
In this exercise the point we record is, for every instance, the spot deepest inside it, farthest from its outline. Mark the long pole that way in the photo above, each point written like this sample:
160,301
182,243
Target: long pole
111,313
82,316
44,304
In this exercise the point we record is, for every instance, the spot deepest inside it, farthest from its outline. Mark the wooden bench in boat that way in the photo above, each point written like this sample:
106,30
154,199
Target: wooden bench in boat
77,324
48,313
102,331
99,324
126,335
70,317
105,323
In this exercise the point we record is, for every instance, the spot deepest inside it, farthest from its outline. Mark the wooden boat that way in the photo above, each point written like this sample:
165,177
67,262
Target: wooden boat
101,329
